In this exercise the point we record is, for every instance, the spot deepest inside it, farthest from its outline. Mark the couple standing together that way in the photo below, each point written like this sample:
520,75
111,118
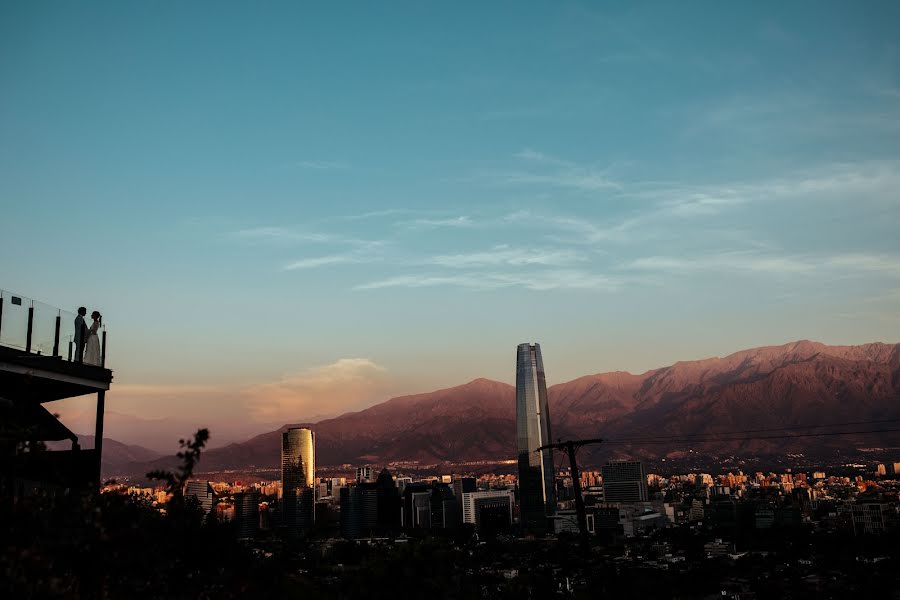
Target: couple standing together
87,343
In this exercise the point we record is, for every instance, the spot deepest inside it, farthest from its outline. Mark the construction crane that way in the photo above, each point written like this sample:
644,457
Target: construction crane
571,447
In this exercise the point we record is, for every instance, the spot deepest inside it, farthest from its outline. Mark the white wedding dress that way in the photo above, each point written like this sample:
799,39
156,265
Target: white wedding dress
92,346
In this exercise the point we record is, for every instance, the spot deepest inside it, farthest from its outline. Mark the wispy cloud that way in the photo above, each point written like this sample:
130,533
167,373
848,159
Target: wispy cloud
287,236
505,255
889,265
425,223
539,281
376,214
322,165
552,171
729,261
324,261
770,263
281,234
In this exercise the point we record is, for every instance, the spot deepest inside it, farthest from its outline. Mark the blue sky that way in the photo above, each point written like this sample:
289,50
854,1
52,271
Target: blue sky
294,209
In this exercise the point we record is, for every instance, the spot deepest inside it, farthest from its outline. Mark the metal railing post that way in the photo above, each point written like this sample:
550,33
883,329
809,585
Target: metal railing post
30,328
56,337
103,350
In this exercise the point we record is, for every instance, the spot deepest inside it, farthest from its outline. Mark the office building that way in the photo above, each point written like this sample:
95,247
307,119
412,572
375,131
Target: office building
463,485
417,505
246,514
489,510
298,473
537,497
364,474
359,510
389,505
203,492
624,481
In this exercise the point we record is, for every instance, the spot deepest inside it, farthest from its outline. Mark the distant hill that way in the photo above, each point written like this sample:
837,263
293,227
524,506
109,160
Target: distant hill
116,455
801,383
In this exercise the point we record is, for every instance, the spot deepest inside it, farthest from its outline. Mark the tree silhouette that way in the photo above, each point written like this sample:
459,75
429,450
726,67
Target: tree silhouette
190,456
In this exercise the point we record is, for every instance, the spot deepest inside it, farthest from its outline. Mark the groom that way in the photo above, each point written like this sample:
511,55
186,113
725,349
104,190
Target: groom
80,334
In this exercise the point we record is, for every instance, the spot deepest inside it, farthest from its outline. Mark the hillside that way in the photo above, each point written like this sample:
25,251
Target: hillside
802,383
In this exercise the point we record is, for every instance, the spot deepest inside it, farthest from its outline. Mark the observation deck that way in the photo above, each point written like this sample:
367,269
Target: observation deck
38,365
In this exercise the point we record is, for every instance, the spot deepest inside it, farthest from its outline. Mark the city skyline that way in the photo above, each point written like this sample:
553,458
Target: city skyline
277,211
265,265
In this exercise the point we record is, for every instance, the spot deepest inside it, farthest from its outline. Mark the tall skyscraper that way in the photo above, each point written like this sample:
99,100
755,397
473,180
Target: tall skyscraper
298,473
624,481
537,491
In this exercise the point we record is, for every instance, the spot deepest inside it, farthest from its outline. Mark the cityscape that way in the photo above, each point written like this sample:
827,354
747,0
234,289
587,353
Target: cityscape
674,523
430,300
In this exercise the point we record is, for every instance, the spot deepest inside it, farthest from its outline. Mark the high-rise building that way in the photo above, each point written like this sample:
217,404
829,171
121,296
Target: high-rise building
389,504
464,485
246,514
537,497
624,481
364,474
359,510
489,509
298,473
203,492
417,505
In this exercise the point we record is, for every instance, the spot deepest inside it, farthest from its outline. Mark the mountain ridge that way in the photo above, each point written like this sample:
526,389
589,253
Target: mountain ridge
800,382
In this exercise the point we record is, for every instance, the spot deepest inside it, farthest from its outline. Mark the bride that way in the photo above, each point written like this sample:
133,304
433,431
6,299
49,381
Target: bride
92,345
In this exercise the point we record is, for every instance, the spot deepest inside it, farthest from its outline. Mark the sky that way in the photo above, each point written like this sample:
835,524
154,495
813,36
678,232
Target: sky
287,209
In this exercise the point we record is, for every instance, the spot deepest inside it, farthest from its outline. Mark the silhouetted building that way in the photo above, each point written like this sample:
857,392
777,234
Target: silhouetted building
203,492
298,474
537,498
246,514
417,505
389,505
359,510
624,481
444,508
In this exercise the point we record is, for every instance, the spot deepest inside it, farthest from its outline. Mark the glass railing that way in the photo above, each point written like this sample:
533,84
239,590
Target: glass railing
41,329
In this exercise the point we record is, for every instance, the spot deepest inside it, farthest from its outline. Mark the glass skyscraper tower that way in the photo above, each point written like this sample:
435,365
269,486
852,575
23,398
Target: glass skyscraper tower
537,486
298,476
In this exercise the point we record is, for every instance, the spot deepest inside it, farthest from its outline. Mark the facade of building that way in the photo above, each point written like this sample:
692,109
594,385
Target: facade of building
298,474
537,489
246,514
624,481
488,509
872,518
364,474
464,485
203,492
359,510
417,505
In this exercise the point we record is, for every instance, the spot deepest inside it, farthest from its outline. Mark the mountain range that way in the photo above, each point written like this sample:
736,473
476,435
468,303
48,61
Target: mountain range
797,384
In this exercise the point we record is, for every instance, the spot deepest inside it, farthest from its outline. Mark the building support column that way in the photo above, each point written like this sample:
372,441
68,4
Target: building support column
98,433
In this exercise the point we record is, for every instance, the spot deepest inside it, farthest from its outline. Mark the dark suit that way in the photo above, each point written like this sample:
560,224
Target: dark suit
81,333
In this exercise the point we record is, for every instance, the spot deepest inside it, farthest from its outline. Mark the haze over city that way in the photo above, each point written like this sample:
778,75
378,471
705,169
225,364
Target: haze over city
302,211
